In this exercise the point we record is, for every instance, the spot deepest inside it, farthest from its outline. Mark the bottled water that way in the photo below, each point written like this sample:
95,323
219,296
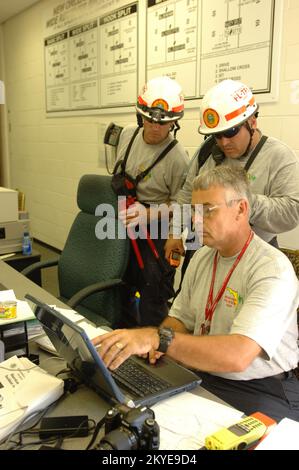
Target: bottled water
26,245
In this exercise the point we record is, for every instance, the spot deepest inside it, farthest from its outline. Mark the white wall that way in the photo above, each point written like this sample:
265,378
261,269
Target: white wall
48,155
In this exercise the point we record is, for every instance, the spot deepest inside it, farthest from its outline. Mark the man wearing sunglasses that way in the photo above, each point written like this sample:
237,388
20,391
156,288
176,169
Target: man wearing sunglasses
228,117
151,146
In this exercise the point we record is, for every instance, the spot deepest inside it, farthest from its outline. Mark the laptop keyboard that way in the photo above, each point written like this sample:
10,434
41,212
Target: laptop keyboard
137,380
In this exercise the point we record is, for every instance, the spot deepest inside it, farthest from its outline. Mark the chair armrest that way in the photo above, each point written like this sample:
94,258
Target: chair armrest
92,289
39,265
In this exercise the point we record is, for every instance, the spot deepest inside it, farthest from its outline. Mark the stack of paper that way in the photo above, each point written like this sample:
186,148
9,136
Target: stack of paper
186,419
284,436
26,388
91,331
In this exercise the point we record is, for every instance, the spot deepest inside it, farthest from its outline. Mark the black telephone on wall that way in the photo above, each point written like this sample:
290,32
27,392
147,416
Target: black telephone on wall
112,134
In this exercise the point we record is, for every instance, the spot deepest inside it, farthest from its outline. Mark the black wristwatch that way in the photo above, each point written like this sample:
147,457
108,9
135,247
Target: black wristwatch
166,335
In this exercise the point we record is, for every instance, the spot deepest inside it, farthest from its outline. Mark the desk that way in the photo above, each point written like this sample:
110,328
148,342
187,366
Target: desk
21,285
84,401
20,262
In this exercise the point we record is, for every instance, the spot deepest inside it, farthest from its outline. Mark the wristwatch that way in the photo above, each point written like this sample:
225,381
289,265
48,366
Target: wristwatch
166,335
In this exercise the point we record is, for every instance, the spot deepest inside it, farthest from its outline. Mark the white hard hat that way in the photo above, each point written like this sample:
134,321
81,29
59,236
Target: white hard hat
161,100
226,105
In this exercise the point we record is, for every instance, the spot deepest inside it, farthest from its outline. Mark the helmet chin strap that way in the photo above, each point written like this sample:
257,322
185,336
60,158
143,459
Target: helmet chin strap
176,128
251,132
139,120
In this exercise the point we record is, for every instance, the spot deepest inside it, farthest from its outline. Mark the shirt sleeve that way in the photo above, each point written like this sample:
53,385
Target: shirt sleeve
178,171
181,307
184,195
277,210
271,300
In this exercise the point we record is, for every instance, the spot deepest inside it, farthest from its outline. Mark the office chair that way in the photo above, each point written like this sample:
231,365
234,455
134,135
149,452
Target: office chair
90,270
293,256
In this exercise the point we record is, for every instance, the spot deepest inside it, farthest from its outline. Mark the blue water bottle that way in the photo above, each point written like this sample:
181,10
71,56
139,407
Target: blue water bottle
26,244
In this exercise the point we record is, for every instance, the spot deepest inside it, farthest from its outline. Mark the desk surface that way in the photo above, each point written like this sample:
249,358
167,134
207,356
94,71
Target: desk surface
12,279
84,401
19,256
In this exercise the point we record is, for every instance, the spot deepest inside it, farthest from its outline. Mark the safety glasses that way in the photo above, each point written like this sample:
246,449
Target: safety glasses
229,133
206,210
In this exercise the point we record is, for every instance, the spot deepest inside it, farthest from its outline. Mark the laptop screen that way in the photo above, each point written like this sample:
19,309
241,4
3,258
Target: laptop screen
72,343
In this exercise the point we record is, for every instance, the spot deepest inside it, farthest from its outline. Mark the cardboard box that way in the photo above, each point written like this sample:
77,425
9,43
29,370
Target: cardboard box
8,205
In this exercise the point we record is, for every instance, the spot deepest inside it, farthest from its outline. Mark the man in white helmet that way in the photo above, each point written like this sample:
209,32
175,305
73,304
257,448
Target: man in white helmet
228,115
155,164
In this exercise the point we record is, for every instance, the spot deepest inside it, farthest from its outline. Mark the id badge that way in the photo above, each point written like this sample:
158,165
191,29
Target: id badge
205,328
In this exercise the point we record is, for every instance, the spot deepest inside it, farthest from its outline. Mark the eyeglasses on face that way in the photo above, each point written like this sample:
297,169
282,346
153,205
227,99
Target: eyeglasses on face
229,133
205,210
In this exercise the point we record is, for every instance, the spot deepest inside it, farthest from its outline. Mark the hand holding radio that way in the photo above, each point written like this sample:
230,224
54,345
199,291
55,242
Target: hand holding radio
173,245
175,259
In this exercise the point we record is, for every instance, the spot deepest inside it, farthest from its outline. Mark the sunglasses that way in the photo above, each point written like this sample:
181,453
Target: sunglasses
229,133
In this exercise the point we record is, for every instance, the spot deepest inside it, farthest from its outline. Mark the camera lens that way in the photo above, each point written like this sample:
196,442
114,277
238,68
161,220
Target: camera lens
119,439
103,446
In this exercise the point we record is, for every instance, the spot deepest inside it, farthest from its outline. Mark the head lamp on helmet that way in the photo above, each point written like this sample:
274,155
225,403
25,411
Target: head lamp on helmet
226,106
161,100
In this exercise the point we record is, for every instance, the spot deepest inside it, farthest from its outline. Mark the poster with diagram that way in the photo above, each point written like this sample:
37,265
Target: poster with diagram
118,57
99,53
84,65
93,64
171,43
57,71
236,42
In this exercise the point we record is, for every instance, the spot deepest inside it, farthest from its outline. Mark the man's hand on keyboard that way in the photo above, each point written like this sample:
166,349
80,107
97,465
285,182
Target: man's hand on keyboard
152,356
116,346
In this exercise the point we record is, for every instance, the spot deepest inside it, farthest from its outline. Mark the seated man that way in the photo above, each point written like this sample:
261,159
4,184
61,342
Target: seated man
235,317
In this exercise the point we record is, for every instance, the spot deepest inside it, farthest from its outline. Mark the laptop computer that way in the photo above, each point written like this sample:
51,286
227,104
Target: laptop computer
151,383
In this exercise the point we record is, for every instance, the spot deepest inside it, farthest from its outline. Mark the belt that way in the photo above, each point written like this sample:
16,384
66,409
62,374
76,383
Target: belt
283,375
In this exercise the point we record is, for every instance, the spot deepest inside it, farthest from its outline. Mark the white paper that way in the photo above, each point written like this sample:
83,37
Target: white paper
25,388
91,331
7,295
284,436
8,255
186,419
70,314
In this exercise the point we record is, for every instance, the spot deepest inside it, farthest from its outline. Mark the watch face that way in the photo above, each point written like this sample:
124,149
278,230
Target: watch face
166,335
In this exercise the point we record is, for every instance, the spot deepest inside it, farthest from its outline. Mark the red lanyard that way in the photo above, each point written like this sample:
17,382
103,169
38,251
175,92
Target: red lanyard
212,304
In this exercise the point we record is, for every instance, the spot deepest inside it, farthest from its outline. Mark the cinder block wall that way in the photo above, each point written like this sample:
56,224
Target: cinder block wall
48,155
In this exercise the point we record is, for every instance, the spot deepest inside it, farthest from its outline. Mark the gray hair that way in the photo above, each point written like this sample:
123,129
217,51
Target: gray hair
234,178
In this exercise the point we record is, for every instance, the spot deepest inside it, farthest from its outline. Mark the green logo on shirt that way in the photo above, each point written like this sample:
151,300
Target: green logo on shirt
235,300
251,177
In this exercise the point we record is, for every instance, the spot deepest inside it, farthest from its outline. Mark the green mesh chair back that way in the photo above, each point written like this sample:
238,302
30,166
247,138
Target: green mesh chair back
87,259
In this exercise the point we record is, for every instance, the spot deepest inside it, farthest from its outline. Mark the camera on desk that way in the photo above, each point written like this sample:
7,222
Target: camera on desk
130,429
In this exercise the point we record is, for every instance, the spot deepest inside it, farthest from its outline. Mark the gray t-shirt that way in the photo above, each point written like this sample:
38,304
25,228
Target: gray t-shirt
260,302
166,178
274,183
